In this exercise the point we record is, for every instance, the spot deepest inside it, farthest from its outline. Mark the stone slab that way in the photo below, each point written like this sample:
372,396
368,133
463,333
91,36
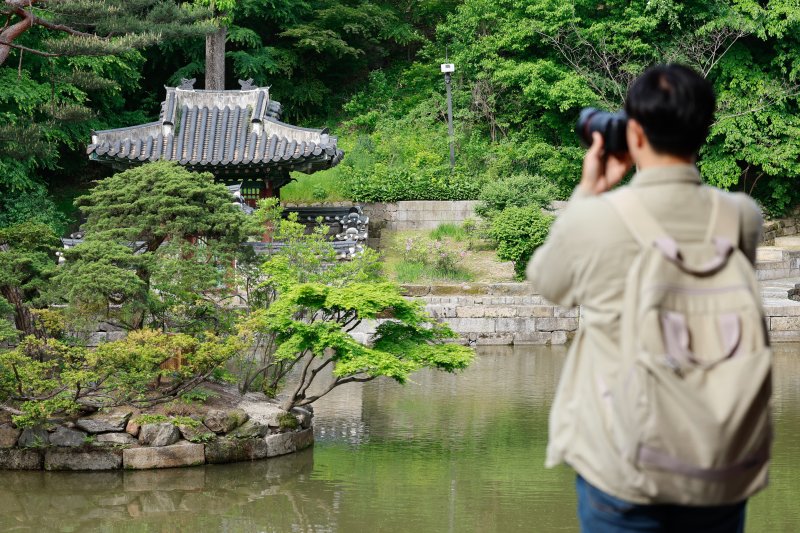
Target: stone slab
66,459
537,337
104,424
784,323
121,439
21,459
163,457
303,439
555,324
228,450
281,444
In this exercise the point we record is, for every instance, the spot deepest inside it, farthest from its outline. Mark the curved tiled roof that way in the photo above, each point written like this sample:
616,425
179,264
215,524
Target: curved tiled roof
213,130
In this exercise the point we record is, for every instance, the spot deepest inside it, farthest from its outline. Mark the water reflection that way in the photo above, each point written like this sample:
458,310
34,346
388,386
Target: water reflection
444,453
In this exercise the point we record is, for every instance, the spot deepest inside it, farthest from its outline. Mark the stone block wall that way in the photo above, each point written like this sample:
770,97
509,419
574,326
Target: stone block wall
510,313
498,313
782,227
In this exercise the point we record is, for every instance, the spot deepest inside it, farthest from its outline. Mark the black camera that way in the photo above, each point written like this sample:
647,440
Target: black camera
610,125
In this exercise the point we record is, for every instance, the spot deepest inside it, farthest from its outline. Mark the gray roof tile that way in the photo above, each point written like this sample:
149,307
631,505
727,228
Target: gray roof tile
219,128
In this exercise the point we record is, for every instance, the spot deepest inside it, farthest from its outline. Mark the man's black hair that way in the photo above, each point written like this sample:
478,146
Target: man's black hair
675,106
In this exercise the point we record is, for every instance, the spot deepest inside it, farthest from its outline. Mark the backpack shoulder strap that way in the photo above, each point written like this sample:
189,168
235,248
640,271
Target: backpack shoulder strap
645,229
725,218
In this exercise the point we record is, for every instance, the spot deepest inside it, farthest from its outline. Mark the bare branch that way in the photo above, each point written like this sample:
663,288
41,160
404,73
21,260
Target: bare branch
336,383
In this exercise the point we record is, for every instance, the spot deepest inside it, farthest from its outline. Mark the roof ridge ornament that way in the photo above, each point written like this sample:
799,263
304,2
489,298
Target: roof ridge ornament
187,85
247,85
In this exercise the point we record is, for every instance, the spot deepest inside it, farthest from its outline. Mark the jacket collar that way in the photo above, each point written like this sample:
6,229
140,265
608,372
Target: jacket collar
666,174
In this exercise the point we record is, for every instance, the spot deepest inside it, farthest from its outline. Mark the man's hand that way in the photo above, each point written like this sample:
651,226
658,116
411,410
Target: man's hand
602,171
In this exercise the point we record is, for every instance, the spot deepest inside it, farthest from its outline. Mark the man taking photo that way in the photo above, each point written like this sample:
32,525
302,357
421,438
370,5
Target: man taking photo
662,406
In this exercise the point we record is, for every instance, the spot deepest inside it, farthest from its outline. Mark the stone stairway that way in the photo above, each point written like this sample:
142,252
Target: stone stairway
778,270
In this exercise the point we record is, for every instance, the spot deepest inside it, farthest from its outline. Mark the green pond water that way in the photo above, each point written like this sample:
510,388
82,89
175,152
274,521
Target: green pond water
442,454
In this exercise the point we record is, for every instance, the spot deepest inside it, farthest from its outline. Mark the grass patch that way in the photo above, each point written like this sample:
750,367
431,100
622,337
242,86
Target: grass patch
449,231
412,257
413,272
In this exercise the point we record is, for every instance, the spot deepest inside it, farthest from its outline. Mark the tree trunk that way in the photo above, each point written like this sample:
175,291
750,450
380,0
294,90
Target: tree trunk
215,60
23,318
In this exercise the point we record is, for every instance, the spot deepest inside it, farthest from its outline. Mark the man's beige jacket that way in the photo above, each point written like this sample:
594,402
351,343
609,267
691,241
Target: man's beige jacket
584,262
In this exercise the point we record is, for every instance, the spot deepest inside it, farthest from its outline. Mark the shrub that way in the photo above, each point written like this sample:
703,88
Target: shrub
518,231
46,378
382,184
518,190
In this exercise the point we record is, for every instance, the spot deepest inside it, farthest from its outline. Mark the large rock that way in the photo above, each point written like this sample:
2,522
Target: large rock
199,433
303,439
68,438
304,416
33,438
250,429
9,436
55,459
104,423
162,434
20,459
182,454
132,428
220,421
119,439
259,409
227,450
280,444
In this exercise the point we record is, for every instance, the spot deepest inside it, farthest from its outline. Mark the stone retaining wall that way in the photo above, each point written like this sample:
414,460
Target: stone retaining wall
510,313
183,453
254,429
782,227
401,216
498,313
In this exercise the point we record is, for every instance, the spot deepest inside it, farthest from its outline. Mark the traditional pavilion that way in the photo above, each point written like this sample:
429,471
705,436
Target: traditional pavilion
236,135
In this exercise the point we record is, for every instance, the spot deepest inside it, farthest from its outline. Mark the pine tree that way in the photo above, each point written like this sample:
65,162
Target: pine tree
95,27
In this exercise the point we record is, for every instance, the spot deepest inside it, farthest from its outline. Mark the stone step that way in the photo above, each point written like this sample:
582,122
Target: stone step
766,254
788,242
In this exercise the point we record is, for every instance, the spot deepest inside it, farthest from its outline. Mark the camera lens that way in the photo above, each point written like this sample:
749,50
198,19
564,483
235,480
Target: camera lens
610,125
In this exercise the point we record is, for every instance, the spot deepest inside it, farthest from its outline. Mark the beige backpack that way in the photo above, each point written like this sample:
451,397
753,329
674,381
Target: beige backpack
692,416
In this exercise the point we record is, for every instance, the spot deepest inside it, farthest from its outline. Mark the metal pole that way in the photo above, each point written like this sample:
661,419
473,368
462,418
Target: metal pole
447,80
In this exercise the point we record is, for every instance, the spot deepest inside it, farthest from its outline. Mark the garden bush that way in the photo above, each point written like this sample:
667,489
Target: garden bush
519,190
518,231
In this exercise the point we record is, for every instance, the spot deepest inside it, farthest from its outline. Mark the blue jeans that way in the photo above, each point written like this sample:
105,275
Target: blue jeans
599,512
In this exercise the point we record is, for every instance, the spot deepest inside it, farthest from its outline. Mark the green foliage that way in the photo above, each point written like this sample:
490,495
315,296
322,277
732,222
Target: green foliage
149,418
307,308
159,248
518,231
311,323
49,105
46,378
27,263
287,421
198,395
518,190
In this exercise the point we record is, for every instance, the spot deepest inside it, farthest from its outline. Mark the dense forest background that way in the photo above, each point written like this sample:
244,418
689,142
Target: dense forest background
369,69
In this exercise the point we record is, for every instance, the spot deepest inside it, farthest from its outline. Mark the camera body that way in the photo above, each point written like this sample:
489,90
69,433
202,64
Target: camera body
611,126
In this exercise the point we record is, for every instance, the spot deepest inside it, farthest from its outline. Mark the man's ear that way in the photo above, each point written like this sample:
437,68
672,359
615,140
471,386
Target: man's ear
635,135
